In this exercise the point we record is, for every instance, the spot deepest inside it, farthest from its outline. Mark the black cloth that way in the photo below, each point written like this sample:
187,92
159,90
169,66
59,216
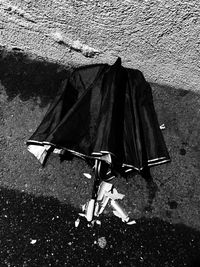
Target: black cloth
101,110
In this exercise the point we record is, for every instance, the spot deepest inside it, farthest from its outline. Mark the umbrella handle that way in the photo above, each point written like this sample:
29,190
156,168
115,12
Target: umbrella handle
91,204
97,179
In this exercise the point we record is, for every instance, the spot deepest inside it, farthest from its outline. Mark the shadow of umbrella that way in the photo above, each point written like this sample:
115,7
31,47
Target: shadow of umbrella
30,78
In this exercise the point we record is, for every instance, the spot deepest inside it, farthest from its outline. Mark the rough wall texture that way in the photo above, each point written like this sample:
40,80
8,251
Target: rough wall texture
161,38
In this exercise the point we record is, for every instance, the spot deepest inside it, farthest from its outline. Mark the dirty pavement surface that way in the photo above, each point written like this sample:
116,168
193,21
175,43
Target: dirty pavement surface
39,206
41,232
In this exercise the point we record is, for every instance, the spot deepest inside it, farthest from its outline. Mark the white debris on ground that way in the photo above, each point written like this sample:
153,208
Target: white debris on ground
87,175
56,217
162,126
98,222
33,241
89,209
114,195
94,207
83,207
131,222
82,214
77,222
118,211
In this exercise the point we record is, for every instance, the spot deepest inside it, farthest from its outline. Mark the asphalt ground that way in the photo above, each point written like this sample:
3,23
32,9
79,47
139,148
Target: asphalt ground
39,231
39,205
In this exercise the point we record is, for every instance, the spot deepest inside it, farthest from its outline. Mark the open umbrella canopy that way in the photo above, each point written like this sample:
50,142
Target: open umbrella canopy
103,112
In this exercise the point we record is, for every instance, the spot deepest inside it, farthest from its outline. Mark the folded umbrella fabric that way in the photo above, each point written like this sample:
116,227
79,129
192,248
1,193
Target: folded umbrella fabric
103,112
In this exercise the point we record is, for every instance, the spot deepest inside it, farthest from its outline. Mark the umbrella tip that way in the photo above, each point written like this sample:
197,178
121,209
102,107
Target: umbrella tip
118,61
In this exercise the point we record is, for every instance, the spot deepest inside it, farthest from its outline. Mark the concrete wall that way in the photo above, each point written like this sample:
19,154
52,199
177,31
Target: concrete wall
161,38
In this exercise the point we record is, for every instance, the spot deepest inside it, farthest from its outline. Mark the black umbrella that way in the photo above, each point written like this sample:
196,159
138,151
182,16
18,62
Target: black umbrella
106,114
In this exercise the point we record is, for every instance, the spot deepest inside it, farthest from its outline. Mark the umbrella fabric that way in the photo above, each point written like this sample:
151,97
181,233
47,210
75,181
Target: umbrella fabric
103,112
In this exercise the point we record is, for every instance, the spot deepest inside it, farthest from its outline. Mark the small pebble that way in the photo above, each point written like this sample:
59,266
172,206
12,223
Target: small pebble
33,241
87,175
102,242
77,222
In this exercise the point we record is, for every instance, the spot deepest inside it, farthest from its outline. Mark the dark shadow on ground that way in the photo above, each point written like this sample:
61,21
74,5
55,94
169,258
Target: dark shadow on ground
41,232
28,78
